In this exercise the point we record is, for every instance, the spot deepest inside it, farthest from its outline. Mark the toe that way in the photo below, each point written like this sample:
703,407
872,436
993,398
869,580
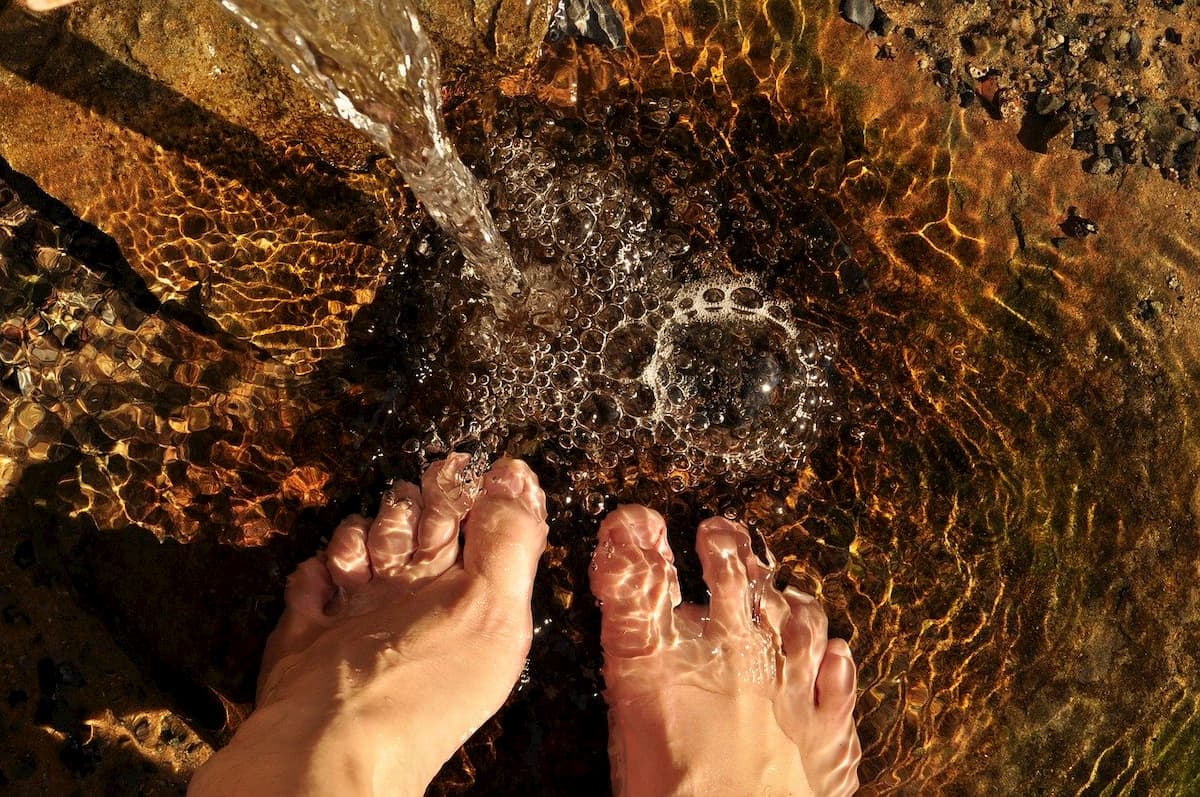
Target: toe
724,550
836,680
447,496
392,538
634,578
840,753
505,532
346,557
805,638
309,589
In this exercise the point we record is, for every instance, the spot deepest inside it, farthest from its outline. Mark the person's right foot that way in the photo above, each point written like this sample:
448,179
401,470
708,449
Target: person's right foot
747,696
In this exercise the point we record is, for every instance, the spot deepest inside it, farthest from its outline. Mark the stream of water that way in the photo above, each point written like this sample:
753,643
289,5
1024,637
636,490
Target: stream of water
370,62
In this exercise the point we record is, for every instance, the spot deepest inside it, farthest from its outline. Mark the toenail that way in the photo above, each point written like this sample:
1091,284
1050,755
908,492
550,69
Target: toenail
802,597
642,533
392,500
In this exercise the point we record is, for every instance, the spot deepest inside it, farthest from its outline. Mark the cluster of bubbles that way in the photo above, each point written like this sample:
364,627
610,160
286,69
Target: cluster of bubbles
622,347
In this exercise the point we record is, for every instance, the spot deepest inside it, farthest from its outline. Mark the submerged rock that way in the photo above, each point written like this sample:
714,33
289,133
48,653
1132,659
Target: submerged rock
860,12
590,20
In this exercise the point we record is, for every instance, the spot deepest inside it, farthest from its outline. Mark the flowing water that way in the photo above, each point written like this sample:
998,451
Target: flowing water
636,350
370,63
979,445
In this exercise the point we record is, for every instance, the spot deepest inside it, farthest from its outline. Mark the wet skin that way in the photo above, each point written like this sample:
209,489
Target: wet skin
411,629
396,644
745,696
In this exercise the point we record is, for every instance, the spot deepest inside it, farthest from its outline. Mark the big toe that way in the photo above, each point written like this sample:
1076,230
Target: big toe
833,764
505,532
633,575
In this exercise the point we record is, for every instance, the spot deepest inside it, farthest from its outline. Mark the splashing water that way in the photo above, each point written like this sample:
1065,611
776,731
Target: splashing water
370,62
713,373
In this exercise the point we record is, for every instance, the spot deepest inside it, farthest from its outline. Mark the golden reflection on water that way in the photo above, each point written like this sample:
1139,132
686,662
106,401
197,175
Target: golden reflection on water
1002,520
1006,524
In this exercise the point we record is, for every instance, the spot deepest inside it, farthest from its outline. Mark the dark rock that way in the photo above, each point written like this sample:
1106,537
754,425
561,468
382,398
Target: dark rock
1077,226
1149,309
1084,139
860,12
590,20
1047,103
17,697
69,675
883,24
1135,45
24,555
1037,130
80,758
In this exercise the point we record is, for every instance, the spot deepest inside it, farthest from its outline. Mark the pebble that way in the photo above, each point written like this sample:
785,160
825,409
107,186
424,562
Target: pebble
1047,103
860,12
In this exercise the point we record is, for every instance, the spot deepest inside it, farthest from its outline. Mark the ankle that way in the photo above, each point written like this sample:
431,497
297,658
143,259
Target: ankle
267,756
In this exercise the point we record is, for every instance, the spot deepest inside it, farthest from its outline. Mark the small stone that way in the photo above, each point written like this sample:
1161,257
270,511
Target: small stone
860,12
1149,309
23,555
1189,122
69,675
1097,166
1077,226
1047,103
1135,44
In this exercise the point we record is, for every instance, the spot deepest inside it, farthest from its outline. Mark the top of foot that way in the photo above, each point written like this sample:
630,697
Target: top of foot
747,696
397,642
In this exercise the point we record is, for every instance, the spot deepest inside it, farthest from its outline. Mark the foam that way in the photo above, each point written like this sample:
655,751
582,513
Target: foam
616,354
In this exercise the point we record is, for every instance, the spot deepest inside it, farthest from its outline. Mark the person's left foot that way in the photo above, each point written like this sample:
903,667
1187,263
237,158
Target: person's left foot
394,648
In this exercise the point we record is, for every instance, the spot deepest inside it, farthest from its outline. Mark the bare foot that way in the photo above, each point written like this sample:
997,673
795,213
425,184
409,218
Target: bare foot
747,696
393,648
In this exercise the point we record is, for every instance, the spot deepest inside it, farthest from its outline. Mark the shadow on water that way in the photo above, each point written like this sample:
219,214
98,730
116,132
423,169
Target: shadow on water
80,72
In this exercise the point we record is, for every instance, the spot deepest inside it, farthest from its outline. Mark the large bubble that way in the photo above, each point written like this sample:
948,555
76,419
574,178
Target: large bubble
628,343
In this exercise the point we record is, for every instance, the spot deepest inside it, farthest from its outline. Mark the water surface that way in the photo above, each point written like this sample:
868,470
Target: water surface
997,506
